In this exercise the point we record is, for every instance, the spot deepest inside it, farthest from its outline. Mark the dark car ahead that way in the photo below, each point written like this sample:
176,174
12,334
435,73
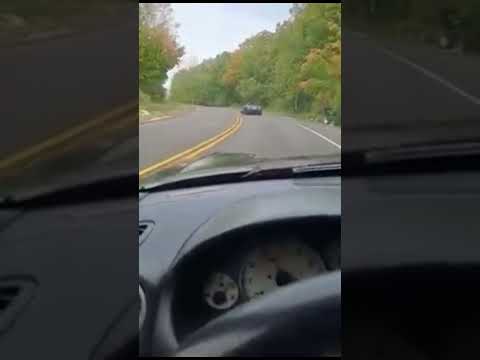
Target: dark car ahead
252,110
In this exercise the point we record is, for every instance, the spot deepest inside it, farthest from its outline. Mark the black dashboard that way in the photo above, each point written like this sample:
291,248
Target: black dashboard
249,263
211,249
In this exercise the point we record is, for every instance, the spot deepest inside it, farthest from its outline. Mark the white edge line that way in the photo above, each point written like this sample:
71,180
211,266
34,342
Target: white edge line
160,118
322,136
433,76
145,122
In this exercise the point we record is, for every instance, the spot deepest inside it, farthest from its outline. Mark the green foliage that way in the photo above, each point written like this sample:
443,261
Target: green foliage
424,20
296,68
142,97
158,49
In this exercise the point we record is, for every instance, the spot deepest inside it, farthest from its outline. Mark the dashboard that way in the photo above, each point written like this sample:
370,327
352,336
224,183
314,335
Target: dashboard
246,265
204,252
399,307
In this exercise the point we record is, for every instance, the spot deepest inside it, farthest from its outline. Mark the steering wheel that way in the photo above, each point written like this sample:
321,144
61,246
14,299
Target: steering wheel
303,318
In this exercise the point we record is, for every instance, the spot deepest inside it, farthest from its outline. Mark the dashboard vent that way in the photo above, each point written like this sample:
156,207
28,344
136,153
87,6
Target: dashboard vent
141,229
7,295
14,295
144,229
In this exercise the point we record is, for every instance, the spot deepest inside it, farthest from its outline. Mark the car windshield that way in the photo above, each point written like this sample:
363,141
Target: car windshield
254,91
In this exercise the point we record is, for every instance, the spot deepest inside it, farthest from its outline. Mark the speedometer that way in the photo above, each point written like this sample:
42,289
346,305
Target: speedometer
258,275
278,264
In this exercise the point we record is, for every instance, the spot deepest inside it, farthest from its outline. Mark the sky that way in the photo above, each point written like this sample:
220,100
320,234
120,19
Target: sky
208,29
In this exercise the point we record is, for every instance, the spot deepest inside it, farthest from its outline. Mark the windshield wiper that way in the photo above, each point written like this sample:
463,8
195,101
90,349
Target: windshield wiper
258,172
422,152
117,186
194,181
7,201
425,157
317,168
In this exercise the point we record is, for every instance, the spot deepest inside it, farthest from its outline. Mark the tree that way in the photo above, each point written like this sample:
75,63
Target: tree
231,76
296,68
320,72
158,48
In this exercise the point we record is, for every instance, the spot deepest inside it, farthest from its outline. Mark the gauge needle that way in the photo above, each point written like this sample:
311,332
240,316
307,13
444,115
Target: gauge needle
284,278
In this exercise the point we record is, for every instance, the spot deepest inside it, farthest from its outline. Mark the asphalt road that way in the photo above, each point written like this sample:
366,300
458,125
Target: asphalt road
270,136
52,86
396,93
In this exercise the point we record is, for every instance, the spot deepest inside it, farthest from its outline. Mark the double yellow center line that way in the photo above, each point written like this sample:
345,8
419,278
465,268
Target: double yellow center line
195,150
63,138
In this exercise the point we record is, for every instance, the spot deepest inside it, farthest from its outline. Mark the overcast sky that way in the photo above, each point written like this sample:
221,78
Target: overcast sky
209,29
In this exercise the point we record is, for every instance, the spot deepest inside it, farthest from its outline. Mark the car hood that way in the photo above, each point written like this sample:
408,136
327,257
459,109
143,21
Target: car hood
221,163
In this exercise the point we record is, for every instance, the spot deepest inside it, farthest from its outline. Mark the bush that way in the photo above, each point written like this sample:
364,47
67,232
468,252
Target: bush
142,97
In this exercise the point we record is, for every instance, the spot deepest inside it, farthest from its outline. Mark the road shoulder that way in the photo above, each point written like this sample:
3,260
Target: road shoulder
148,114
331,132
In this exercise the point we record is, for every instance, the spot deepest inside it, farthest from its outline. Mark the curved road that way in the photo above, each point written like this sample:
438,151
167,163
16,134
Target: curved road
396,93
55,87
270,136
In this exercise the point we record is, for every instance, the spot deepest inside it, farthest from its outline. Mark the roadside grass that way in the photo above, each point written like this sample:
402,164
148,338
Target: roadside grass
150,109
308,117
20,20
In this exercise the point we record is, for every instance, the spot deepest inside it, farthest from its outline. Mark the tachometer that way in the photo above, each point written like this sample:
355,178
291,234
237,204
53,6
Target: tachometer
277,264
220,291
